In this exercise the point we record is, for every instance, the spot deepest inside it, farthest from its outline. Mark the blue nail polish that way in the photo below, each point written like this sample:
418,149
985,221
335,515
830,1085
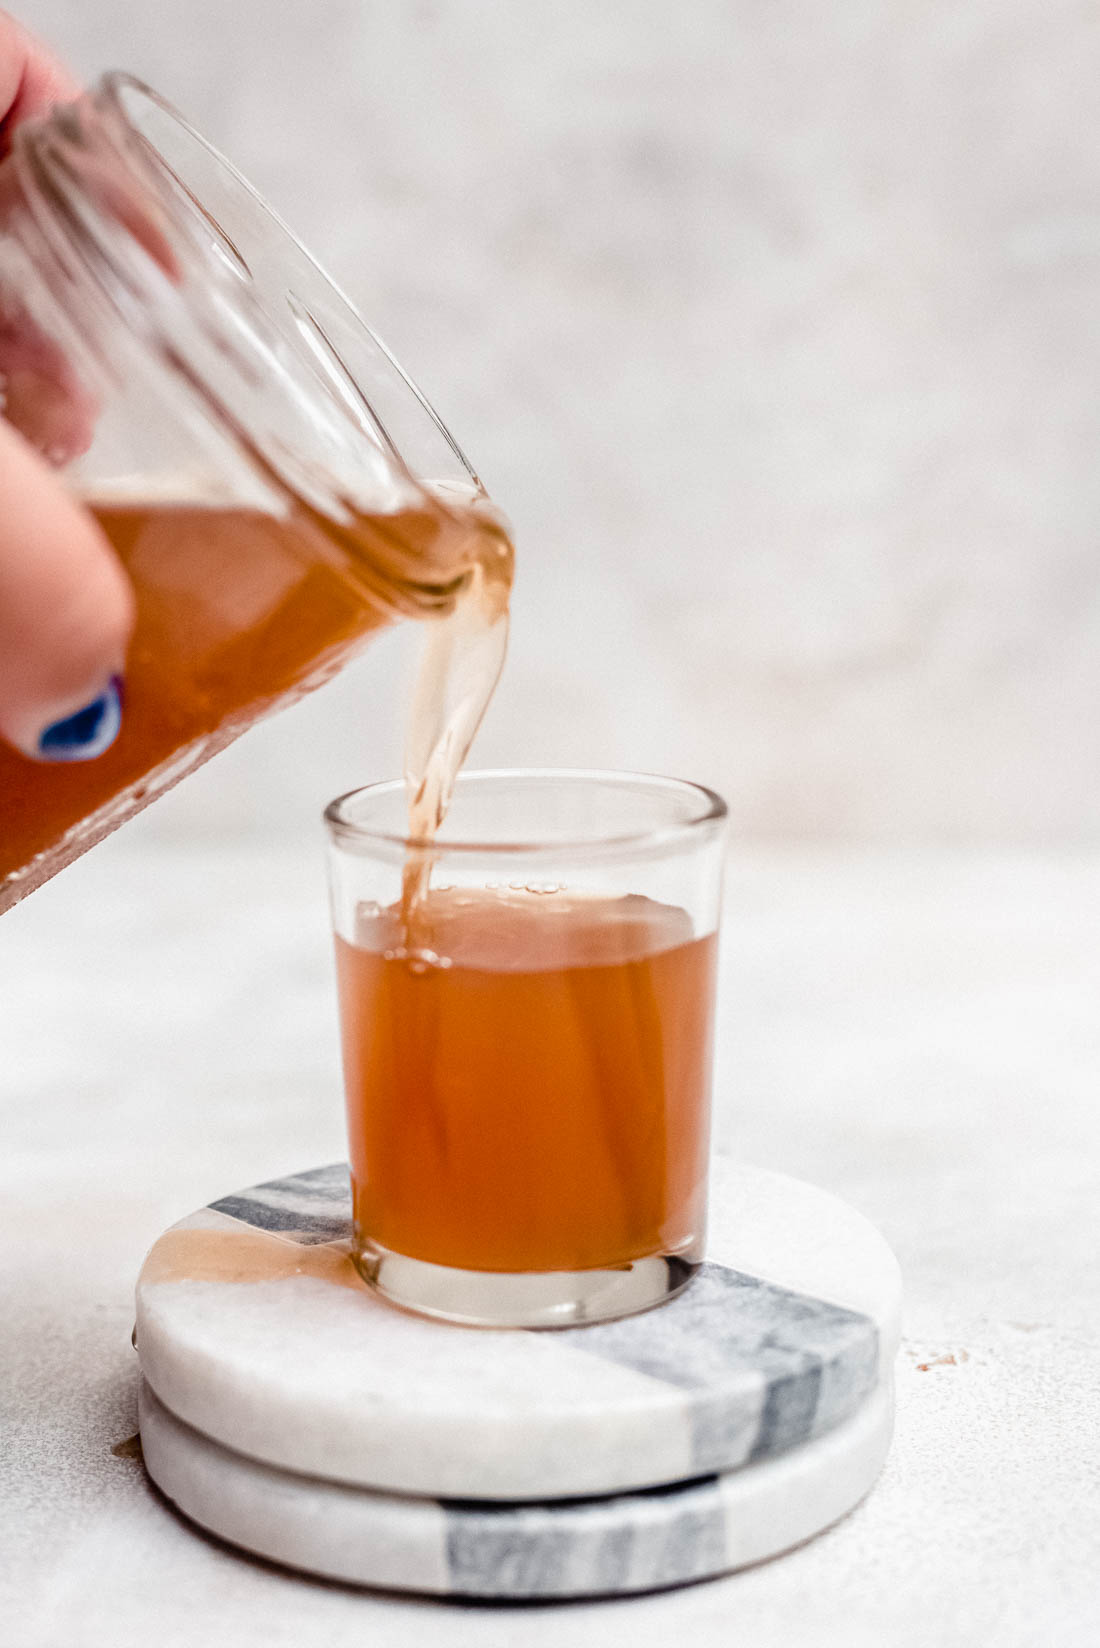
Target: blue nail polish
83,736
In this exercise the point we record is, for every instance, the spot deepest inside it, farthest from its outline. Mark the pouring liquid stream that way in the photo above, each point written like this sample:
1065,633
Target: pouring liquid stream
460,666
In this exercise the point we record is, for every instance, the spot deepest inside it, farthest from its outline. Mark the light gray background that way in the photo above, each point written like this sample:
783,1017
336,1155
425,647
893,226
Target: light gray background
772,324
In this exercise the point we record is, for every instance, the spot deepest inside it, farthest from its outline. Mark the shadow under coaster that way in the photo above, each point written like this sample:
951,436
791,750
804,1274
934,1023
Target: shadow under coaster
289,1410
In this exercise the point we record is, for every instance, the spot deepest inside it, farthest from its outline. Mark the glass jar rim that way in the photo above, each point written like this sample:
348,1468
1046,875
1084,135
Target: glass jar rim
709,814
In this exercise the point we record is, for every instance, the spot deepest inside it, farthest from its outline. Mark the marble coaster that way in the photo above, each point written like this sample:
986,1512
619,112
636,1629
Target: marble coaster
254,1328
558,1549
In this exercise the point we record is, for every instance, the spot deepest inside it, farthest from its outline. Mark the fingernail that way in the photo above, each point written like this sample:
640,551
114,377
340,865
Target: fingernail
93,729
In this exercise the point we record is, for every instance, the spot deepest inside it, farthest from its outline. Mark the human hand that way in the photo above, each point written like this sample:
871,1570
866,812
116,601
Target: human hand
66,607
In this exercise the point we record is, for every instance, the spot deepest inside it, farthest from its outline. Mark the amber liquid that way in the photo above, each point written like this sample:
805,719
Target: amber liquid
238,612
534,1097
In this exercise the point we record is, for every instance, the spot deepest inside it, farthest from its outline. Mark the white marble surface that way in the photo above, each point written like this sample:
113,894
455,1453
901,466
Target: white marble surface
774,328
916,1033
274,1347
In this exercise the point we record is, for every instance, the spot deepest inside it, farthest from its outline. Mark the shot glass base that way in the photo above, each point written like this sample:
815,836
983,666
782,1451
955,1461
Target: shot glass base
530,1299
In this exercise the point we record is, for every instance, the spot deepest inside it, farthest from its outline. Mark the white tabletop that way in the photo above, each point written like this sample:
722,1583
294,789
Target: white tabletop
919,1034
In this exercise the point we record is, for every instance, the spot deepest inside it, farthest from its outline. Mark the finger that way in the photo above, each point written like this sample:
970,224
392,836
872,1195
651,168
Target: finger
31,81
40,392
30,78
66,612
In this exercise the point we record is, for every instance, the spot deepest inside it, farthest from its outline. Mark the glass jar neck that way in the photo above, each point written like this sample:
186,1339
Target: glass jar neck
160,257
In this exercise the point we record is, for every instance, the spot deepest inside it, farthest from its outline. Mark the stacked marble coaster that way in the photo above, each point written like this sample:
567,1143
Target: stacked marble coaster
287,1409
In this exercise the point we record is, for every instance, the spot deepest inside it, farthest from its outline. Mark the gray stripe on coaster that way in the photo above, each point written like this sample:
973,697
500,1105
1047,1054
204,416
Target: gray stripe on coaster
309,1208
622,1544
769,1367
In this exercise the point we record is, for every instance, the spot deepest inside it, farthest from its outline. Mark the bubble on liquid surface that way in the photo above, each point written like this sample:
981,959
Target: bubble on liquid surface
418,961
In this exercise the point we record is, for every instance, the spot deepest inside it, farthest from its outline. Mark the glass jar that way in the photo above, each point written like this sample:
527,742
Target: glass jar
275,485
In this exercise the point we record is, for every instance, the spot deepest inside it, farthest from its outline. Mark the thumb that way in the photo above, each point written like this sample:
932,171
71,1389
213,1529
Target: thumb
66,612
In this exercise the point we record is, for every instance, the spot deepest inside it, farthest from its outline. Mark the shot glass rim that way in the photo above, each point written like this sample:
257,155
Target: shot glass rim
713,812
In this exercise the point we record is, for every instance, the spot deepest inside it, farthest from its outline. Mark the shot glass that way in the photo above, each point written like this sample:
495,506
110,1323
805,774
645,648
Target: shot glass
526,1011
